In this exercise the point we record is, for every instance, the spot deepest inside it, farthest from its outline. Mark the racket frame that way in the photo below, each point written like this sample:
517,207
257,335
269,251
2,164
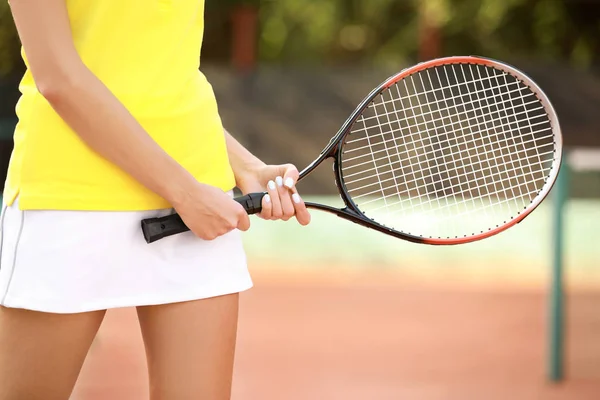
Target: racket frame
352,212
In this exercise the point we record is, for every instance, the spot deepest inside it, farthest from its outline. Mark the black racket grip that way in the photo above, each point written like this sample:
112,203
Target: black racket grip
157,228
252,202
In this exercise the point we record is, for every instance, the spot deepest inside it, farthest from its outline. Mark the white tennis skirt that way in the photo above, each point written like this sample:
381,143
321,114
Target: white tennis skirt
79,261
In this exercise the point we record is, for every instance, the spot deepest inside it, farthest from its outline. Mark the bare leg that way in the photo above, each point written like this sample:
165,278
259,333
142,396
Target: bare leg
41,354
190,348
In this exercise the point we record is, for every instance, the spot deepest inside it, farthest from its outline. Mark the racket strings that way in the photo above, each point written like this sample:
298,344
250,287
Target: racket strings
455,159
449,88
393,139
429,154
444,125
473,180
457,167
465,200
514,150
433,151
422,114
449,144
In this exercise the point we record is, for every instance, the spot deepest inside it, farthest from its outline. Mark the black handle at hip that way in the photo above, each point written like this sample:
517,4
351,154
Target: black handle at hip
158,228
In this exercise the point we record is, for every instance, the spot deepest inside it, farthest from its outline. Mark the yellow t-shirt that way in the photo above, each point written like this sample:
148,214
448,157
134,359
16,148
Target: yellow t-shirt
147,52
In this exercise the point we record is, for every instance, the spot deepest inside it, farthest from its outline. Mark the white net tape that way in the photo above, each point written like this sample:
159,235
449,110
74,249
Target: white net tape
584,159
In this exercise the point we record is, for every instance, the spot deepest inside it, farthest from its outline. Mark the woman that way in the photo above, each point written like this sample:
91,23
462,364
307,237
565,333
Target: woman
117,124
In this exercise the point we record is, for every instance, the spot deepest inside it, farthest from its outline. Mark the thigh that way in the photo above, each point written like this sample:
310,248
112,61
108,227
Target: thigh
41,354
190,347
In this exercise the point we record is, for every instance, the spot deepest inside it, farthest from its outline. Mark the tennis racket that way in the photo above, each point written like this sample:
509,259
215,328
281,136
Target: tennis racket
449,151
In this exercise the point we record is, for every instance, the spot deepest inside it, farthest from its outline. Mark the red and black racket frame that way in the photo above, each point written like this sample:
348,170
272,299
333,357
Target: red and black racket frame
157,228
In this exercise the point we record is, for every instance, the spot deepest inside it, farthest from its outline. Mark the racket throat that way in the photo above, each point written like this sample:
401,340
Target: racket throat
345,212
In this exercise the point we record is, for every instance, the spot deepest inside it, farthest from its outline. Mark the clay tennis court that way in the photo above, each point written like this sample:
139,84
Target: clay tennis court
377,339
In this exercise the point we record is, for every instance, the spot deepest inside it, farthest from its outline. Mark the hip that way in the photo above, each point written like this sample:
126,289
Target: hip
77,261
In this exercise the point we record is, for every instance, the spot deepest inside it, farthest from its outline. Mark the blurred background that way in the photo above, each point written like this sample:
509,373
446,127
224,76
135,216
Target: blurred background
339,312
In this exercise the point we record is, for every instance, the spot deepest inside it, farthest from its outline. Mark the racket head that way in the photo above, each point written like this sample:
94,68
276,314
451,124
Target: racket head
450,151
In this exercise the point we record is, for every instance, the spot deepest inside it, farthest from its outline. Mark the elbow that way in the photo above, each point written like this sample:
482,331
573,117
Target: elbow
48,89
56,86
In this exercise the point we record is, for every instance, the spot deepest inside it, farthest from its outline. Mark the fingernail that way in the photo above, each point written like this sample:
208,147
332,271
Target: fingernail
267,198
289,182
296,198
279,181
271,185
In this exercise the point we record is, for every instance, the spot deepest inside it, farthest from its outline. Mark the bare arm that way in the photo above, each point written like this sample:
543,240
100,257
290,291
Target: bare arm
102,122
242,161
87,105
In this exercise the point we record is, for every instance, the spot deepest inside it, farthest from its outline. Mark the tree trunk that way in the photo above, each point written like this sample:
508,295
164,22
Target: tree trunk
245,31
430,46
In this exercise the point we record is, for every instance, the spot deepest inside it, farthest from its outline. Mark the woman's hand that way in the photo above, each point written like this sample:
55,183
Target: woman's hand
282,201
209,212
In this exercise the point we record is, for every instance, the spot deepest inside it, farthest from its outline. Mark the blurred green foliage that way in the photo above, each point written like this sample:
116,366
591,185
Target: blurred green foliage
9,42
380,32
386,32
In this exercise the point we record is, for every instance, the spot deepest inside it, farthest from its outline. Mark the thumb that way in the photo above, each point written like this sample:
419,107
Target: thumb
243,220
290,175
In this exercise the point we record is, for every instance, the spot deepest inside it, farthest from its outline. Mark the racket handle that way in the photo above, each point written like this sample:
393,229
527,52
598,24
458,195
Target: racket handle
252,202
158,228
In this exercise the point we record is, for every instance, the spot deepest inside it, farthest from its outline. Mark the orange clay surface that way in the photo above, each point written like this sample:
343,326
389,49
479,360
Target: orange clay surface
363,339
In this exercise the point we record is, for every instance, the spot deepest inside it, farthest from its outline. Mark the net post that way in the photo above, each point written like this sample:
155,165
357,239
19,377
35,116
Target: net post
557,297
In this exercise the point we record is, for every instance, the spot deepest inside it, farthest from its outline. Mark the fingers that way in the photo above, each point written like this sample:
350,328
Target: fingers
282,200
276,210
290,179
243,220
302,214
291,175
267,207
287,207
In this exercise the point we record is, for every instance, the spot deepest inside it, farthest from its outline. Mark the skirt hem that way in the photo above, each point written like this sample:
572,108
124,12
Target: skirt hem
46,306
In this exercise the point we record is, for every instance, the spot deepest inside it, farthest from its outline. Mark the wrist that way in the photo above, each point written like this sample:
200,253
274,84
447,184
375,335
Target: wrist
247,171
178,190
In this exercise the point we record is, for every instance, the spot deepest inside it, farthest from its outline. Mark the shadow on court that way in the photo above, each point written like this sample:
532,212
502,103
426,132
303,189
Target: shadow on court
317,340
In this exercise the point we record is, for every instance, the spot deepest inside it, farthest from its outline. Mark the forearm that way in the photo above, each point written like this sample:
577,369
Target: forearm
86,104
106,126
241,159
